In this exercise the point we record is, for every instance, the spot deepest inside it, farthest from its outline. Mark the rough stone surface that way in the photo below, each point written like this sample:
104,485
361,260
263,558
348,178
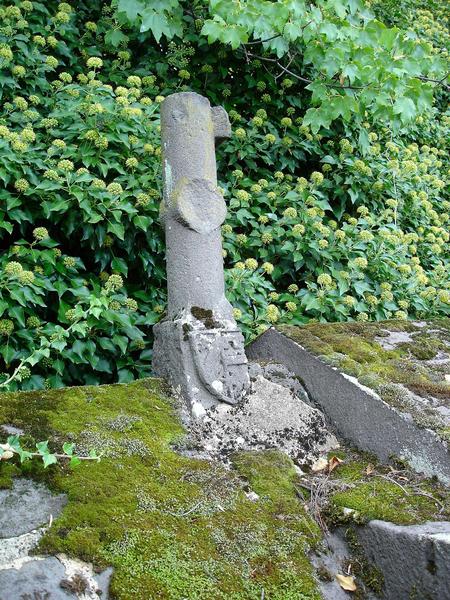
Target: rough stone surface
37,578
414,559
23,508
26,506
356,411
198,347
278,373
53,578
270,416
333,559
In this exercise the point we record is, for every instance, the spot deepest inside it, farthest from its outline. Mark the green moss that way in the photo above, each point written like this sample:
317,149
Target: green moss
372,491
372,577
206,316
7,473
173,527
355,349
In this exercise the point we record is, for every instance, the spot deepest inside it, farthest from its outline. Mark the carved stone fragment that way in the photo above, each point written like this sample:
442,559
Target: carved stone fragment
198,346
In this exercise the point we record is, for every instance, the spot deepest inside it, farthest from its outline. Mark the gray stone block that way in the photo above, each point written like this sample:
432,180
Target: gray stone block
35,580
356,412
414,559
27,506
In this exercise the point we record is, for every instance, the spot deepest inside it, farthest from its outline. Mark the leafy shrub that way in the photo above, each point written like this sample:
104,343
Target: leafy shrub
344,221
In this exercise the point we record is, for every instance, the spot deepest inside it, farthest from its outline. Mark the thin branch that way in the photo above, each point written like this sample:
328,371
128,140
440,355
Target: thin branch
13,376
38,454
273,37
404,490
299,77
438,81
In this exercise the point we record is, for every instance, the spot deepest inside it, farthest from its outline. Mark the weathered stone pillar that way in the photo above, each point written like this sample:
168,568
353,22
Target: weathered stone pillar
198,346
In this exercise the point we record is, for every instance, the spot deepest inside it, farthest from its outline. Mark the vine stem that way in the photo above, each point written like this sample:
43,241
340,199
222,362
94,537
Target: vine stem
13,375
57,455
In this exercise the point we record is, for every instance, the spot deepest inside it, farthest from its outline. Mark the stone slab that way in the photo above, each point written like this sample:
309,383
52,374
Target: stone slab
355,411
37,578
53,578
414,559
27,506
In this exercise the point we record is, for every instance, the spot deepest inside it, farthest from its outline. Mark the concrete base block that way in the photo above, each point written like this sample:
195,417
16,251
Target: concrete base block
356,412
414,559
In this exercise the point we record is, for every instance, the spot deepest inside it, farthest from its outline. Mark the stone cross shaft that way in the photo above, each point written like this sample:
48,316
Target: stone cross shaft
198,346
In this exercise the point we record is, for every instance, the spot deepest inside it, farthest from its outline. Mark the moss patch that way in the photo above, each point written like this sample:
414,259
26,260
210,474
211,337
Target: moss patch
397,359
375,491
173,527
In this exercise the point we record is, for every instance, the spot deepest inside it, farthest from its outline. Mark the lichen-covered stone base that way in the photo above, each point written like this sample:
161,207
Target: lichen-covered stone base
269,416
407,363
175,527
357,382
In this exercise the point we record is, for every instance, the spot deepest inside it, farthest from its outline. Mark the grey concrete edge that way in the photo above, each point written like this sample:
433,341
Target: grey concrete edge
356,412
414,559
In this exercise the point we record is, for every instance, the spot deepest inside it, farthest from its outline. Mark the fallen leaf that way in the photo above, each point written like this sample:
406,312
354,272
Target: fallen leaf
333,463
320,465
347,582
370,469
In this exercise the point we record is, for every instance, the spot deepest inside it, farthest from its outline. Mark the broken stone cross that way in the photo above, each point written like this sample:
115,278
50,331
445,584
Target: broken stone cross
198,346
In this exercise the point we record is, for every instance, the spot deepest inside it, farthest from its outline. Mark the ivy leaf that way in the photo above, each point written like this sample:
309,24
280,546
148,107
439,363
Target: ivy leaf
115,38
132,8
49,459
42,447
24,454
68,448
74,461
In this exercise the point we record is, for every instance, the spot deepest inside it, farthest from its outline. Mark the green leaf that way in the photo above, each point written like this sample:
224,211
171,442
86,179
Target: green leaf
74,461
117,229
406,108
42,447
49,459
115,37
68,448
131,8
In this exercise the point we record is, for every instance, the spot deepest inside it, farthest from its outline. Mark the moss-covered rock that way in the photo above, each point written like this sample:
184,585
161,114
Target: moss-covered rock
172,527
370,490
406,363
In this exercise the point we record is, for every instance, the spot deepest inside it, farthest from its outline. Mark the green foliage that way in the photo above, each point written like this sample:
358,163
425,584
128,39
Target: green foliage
14,447
351,61
333,217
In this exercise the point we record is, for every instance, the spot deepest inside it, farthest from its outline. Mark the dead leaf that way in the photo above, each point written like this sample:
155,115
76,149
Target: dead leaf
347,582
320,465
370,469
333,463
